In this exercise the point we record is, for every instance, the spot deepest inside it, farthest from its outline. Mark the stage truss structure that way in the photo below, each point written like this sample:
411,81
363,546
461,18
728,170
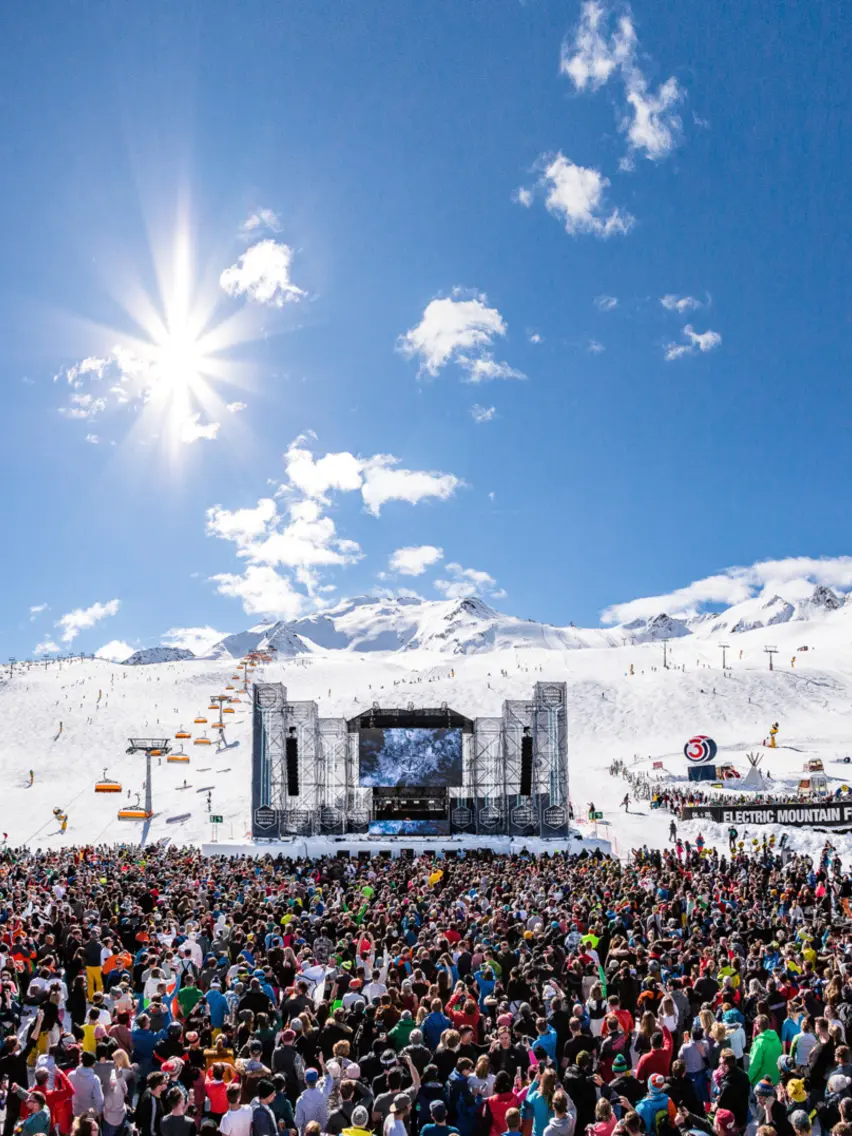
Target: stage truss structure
322,796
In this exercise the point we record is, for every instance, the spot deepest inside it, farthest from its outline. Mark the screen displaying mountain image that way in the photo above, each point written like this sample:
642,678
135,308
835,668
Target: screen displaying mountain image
413,756
409,828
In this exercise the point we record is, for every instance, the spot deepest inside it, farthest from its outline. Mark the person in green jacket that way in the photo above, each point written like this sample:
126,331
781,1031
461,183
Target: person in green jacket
764,1053
401,1033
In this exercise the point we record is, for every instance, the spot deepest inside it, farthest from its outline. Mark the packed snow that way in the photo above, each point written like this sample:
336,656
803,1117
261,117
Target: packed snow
462,653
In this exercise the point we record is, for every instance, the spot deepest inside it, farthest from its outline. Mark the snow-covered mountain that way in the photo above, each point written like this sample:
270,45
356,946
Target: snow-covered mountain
470,626
158,655
454,627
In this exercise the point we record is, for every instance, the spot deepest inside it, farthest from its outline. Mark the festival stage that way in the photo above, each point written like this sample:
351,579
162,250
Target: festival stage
353,846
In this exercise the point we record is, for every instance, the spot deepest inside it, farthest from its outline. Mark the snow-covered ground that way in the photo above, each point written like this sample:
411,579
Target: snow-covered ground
612,713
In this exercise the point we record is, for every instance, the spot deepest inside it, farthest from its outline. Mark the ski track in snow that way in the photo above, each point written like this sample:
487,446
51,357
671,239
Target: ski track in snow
611,714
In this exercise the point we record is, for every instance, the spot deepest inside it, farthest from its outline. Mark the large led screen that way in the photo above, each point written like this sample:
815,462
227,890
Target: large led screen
411,756
409,828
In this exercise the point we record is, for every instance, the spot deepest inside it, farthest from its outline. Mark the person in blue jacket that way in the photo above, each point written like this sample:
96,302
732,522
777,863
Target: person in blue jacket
217,1004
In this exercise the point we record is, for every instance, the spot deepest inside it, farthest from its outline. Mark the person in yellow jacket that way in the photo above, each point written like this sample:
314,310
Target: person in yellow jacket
90,1041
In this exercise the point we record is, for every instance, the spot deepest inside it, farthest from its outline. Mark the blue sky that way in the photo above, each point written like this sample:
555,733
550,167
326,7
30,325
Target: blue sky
307,179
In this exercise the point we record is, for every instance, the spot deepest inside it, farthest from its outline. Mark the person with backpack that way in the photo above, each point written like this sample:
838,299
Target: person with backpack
656,1109
461,1101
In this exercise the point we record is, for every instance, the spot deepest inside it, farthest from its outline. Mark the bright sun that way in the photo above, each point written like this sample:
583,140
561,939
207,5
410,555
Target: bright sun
177,364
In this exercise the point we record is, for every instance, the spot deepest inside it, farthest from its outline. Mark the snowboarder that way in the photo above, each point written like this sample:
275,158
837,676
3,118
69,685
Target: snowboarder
673,832
32,777
626,803
732,839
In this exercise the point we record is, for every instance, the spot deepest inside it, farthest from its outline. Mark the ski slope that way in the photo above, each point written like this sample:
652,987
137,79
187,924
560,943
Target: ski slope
648,714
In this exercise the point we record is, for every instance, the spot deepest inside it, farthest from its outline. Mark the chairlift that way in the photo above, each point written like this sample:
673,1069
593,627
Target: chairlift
183,735
177,758
135,811
202,741
199,721
107,785
228,710
229,687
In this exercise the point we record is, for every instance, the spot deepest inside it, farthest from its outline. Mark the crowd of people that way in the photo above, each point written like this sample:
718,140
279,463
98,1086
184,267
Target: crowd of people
167,993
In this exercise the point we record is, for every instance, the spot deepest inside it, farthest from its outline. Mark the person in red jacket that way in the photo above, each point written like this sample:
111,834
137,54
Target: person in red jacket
58,1098
658,1059
469,1013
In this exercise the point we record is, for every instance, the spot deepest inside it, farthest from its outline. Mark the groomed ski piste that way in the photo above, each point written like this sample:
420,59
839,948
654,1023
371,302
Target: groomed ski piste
642,718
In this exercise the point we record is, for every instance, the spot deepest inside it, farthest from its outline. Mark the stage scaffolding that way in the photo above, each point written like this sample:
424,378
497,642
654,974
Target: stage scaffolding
329,801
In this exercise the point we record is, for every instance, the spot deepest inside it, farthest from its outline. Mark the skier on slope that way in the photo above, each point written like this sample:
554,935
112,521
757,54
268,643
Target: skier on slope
626,802
32,777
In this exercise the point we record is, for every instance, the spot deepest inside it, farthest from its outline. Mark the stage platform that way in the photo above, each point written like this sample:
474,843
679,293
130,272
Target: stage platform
299,847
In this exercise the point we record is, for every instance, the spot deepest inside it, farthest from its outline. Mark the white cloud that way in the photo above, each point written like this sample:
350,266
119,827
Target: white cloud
193,430
535,337
263,274
453,329
466,582
677,351
591,58
116,651
262,219
595,347
484,369
46,647
299,536
706,341
576,195
414,561
696,342
595,55
199,640
383,483
81,619
655,128
262,592
243,526
482,414
317,477
84,406
305,544
606,303
524,197
92,439
377,478
236,407
680,304
793,577
36,610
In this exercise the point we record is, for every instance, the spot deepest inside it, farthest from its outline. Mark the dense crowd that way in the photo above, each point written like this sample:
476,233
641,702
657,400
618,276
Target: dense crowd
482,995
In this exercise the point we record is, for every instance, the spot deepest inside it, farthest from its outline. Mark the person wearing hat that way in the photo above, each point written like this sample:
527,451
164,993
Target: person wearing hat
400,1108
312,1104
656,1108
801,1122
828,1110
263,1120
724,1123
360,1121
623,1083
287,1061
437,1124
400,1035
